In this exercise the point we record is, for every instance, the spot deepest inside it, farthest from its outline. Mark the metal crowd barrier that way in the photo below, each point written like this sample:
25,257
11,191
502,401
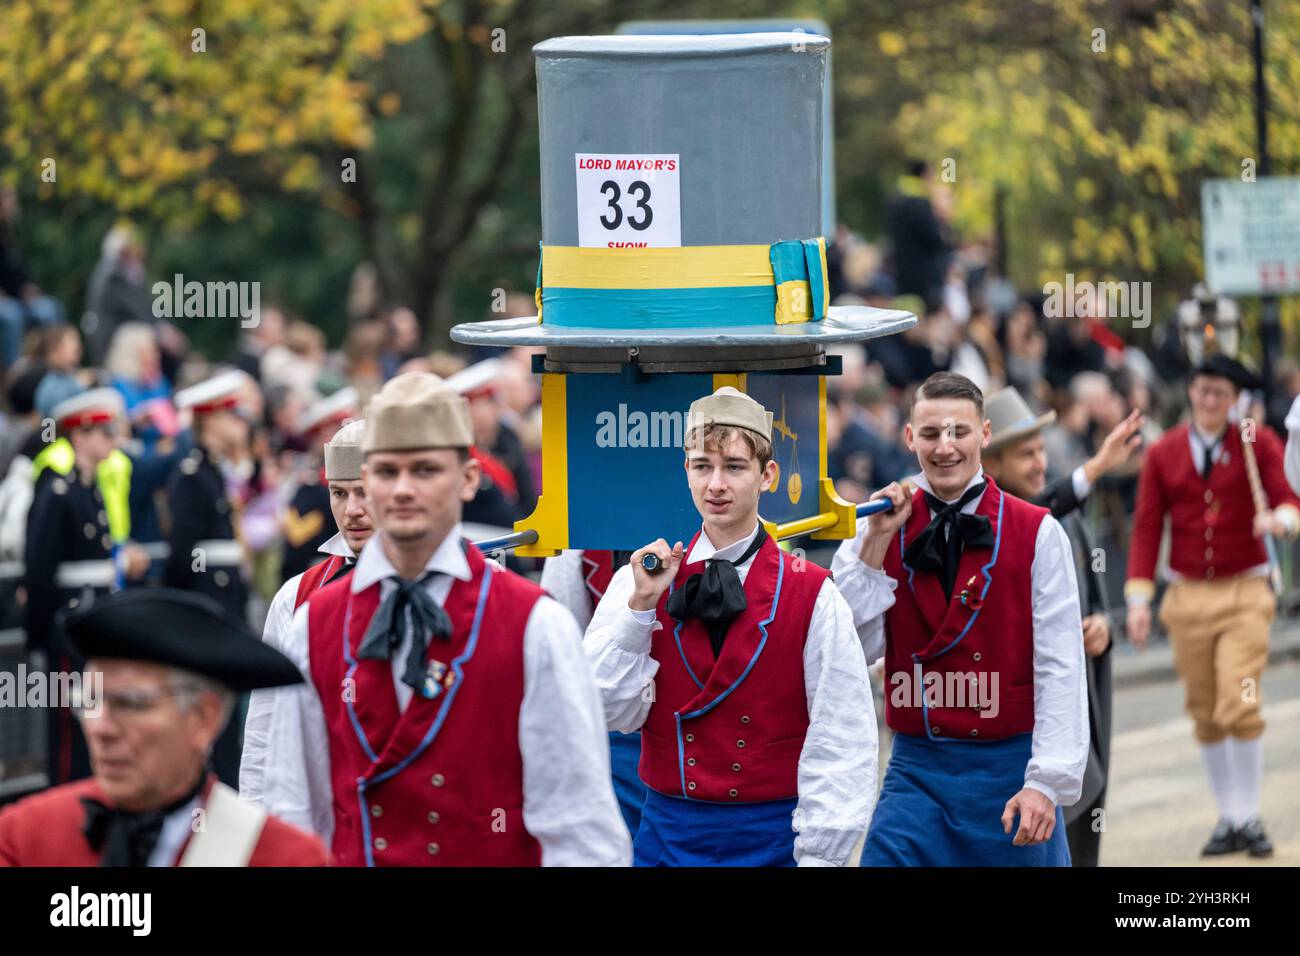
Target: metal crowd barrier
22,729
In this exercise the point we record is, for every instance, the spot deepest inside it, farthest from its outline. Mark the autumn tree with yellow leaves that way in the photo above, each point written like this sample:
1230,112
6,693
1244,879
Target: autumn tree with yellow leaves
391,125
1097,119
286,141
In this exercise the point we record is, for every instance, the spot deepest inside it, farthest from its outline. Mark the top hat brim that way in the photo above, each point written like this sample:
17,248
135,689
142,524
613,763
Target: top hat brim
999,439
854,323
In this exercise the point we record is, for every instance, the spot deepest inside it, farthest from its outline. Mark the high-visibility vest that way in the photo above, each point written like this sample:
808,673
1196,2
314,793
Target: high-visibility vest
113,477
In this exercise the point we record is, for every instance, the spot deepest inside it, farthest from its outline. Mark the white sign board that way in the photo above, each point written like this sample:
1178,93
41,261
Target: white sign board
629,200
1252,235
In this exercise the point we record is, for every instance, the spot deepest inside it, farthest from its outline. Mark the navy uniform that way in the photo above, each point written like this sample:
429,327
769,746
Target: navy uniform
205,553
308,523
68,557
203,528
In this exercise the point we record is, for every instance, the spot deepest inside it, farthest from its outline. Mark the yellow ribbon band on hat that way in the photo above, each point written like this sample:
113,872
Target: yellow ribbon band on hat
683,286
678,267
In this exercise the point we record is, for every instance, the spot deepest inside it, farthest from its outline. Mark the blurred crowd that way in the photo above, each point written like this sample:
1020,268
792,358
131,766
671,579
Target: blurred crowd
972,320
297,393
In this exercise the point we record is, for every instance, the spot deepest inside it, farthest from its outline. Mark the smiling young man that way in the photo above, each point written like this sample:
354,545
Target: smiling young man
450,716
347,502
970,594
741,667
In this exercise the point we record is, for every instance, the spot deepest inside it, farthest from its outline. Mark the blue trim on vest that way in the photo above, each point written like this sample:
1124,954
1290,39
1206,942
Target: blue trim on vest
447,701
365,821
988,580
352,667
902,558
677,637
762,627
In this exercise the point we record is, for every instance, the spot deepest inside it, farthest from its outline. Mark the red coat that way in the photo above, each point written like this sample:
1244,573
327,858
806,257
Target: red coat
440,782
46,830
315,577
1210,522
986,629
730,730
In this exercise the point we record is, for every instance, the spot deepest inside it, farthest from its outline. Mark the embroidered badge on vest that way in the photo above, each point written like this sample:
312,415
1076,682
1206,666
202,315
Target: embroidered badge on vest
437,678
970,595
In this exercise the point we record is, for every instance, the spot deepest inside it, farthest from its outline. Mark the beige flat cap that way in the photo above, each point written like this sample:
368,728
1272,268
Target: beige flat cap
416,411
728,406
343,454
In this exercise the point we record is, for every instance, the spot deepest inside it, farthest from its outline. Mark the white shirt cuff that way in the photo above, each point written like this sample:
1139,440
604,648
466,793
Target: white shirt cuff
1044,789
1079,481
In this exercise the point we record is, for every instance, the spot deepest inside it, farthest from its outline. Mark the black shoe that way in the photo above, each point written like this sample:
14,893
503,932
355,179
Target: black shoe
1224,839
1253,839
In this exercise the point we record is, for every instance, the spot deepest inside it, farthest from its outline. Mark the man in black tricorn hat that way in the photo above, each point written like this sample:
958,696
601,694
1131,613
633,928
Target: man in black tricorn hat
162,669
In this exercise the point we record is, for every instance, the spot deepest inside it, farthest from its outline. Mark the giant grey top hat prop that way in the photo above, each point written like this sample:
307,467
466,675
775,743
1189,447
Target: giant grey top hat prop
681,254
681,180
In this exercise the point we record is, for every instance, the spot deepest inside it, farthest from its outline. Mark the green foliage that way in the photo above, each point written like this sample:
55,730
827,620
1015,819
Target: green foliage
1101,152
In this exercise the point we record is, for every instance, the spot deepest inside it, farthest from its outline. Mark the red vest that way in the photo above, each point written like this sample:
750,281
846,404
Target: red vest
730,730
597,572
316,577
1210,527
440,783
985,633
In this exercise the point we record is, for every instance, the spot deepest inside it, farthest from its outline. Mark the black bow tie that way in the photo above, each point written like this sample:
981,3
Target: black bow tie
128,838
715,596
938,547
385,631
344,567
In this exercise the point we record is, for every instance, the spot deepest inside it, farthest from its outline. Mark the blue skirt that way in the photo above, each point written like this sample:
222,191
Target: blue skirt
942,804
679,832
624,756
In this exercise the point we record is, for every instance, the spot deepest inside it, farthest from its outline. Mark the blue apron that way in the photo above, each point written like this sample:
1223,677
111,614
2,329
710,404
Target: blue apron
679,832
942,805
624,756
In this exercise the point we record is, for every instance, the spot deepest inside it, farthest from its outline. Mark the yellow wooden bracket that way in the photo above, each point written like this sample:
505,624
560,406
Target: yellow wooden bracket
550,519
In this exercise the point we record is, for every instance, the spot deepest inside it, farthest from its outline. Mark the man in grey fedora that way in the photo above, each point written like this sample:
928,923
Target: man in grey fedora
1017,460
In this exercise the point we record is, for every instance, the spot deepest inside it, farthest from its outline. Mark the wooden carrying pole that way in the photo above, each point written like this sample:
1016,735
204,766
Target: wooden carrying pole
1261,505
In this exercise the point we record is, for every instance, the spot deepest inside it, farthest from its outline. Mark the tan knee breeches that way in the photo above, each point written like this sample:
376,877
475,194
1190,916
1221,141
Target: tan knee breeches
1219,632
